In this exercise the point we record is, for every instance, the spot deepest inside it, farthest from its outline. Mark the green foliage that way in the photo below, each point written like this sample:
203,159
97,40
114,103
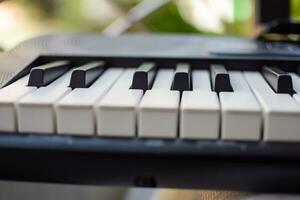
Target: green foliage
168,19
242,10
295,9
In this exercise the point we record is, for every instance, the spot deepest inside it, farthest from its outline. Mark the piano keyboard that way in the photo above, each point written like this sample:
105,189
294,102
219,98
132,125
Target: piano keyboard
150,111
152,102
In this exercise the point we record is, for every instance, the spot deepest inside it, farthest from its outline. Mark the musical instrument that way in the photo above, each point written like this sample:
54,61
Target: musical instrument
153,111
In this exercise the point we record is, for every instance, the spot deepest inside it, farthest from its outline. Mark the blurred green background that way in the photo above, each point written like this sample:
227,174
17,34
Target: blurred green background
23,19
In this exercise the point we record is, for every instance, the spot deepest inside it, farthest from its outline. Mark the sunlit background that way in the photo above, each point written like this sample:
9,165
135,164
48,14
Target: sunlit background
23,19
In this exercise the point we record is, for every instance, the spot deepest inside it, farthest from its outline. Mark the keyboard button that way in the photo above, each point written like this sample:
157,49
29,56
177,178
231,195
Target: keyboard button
75,111
116,112
158,110
182,78
35,111
143,76
280,81
8,96
220,79
241,113
200,109
85,75
45,74
281,112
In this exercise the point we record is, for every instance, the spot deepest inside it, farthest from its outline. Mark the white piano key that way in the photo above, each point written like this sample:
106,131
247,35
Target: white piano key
35,111
75,111
163,79
280,111
158,114
158,110
8,97
201,80
239,83
241,113
296,82
125,80
116,116
296,85
116,112
199,116
20,83
200,109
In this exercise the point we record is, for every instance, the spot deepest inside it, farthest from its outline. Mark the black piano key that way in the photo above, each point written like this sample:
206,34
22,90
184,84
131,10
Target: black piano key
143,76
43,75
182,78
85,75
279,80
220,79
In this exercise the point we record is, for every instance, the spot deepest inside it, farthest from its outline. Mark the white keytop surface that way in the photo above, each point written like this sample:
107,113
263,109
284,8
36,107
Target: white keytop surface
281,112
200,109
296,82
35,111
296,85
116,112
8,97
75,112
241,113
158,110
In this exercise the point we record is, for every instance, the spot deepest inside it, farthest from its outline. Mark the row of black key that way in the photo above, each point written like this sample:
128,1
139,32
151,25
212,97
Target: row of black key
280,81
82,77
182,78
85,75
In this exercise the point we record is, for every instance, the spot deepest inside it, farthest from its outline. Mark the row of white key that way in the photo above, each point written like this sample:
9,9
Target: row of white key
35,110
75,112
200,108
110,108
8,96
281,113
